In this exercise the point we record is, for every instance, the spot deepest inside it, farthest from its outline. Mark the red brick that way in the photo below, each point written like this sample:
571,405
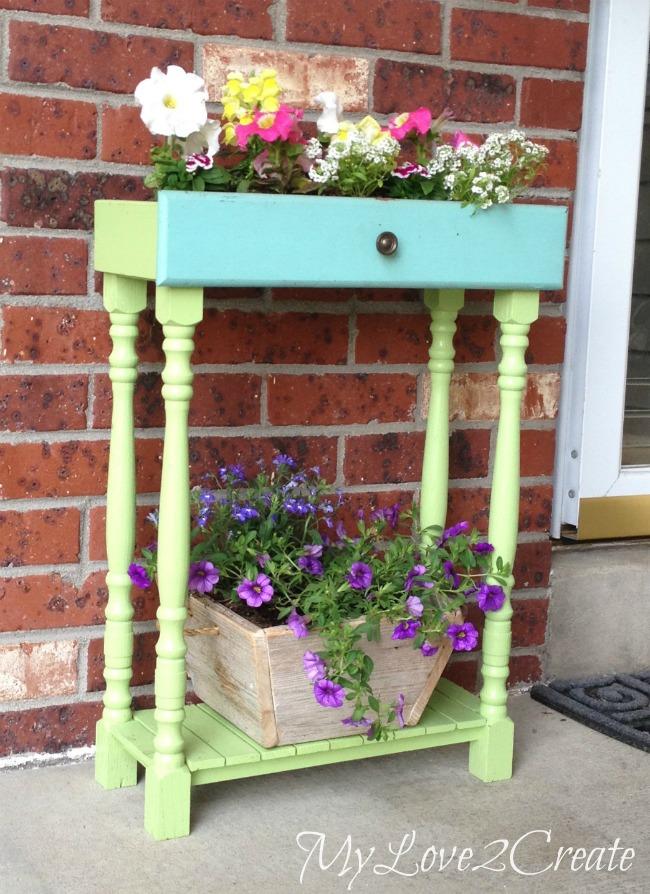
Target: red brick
405,338
235,336
573,5
98,60
537,452
472,505
529,621
125,138
39,537
246,18
55,335
35,265
145,532
43,403
38,670
411,26
472,95
475,396
463,672
53,7
396,457
208,453
524,669
144,661
561,166
330,399
59,199
547,340
475,338
325,295
511,39
50,127
51,729
555,104
533,564
70,469
92,597
219,399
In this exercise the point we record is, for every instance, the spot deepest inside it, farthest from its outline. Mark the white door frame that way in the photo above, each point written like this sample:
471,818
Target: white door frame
590,425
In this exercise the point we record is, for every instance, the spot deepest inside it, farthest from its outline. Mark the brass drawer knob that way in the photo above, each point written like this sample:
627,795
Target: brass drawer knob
387,243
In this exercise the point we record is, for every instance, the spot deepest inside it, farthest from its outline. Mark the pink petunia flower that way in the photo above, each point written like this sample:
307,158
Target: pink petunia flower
461,139
418,121
271,127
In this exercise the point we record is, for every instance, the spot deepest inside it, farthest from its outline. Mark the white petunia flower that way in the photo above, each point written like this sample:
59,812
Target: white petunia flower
328,121
204,141
173,104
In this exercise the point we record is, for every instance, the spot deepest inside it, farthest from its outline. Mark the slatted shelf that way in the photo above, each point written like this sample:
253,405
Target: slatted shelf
216,749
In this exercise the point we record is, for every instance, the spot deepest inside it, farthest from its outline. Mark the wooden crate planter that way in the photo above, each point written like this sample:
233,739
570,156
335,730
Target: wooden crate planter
254,677
187,241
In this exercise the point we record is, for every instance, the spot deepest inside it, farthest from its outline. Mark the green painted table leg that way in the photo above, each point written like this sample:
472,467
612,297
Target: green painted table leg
124,299
167,786
490,756
444,305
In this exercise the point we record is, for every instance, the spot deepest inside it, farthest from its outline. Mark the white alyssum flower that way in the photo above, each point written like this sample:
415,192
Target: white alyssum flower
204,141
313,149
328,120
173,103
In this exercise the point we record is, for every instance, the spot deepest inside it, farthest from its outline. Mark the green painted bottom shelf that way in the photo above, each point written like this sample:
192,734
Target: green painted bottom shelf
216,750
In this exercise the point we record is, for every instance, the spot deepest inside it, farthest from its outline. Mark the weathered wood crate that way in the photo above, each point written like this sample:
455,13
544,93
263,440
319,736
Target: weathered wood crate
254,676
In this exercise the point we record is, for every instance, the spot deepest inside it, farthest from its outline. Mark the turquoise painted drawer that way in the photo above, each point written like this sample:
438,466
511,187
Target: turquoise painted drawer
227,239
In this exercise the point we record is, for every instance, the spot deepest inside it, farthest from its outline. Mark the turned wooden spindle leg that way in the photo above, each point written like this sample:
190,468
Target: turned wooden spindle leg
167,786
490,757
444,305
124,299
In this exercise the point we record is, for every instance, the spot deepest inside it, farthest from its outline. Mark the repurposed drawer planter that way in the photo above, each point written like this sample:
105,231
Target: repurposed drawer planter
187,241
254,676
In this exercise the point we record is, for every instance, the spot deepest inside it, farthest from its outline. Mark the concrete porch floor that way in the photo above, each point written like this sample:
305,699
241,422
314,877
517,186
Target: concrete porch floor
62,833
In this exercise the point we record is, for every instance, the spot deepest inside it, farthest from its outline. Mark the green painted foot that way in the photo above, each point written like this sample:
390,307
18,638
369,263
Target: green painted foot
114,767
490,757
167,803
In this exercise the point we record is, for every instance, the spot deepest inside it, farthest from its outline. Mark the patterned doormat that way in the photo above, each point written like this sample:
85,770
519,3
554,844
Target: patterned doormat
617,705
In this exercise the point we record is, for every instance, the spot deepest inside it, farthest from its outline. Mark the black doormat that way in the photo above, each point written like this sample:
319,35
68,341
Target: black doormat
617,705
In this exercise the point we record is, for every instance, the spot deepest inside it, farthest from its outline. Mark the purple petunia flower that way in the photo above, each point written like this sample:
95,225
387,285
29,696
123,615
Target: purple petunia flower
450,573
139,576
283,459
314,549
490,597
314,666
399,710
427,649
329,694
389,514
454,531
203,576
463,636
414,606
359,576
297,624
255,592
243,513
262,559
406,629
310,565
415,572
363,722
482,547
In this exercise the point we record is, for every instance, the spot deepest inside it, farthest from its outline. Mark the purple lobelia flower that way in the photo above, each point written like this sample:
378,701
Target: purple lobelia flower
243,513
329,694
139,576
297,506
490,597
414,606
399,710
455,531
464,637
359,576
297,624
450,573
314,666
406,629
427,649
153,517
310,565
255,592
283,459
482,547
203,576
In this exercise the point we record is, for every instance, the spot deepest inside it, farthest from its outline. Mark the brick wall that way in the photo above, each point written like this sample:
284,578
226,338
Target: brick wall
333,376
